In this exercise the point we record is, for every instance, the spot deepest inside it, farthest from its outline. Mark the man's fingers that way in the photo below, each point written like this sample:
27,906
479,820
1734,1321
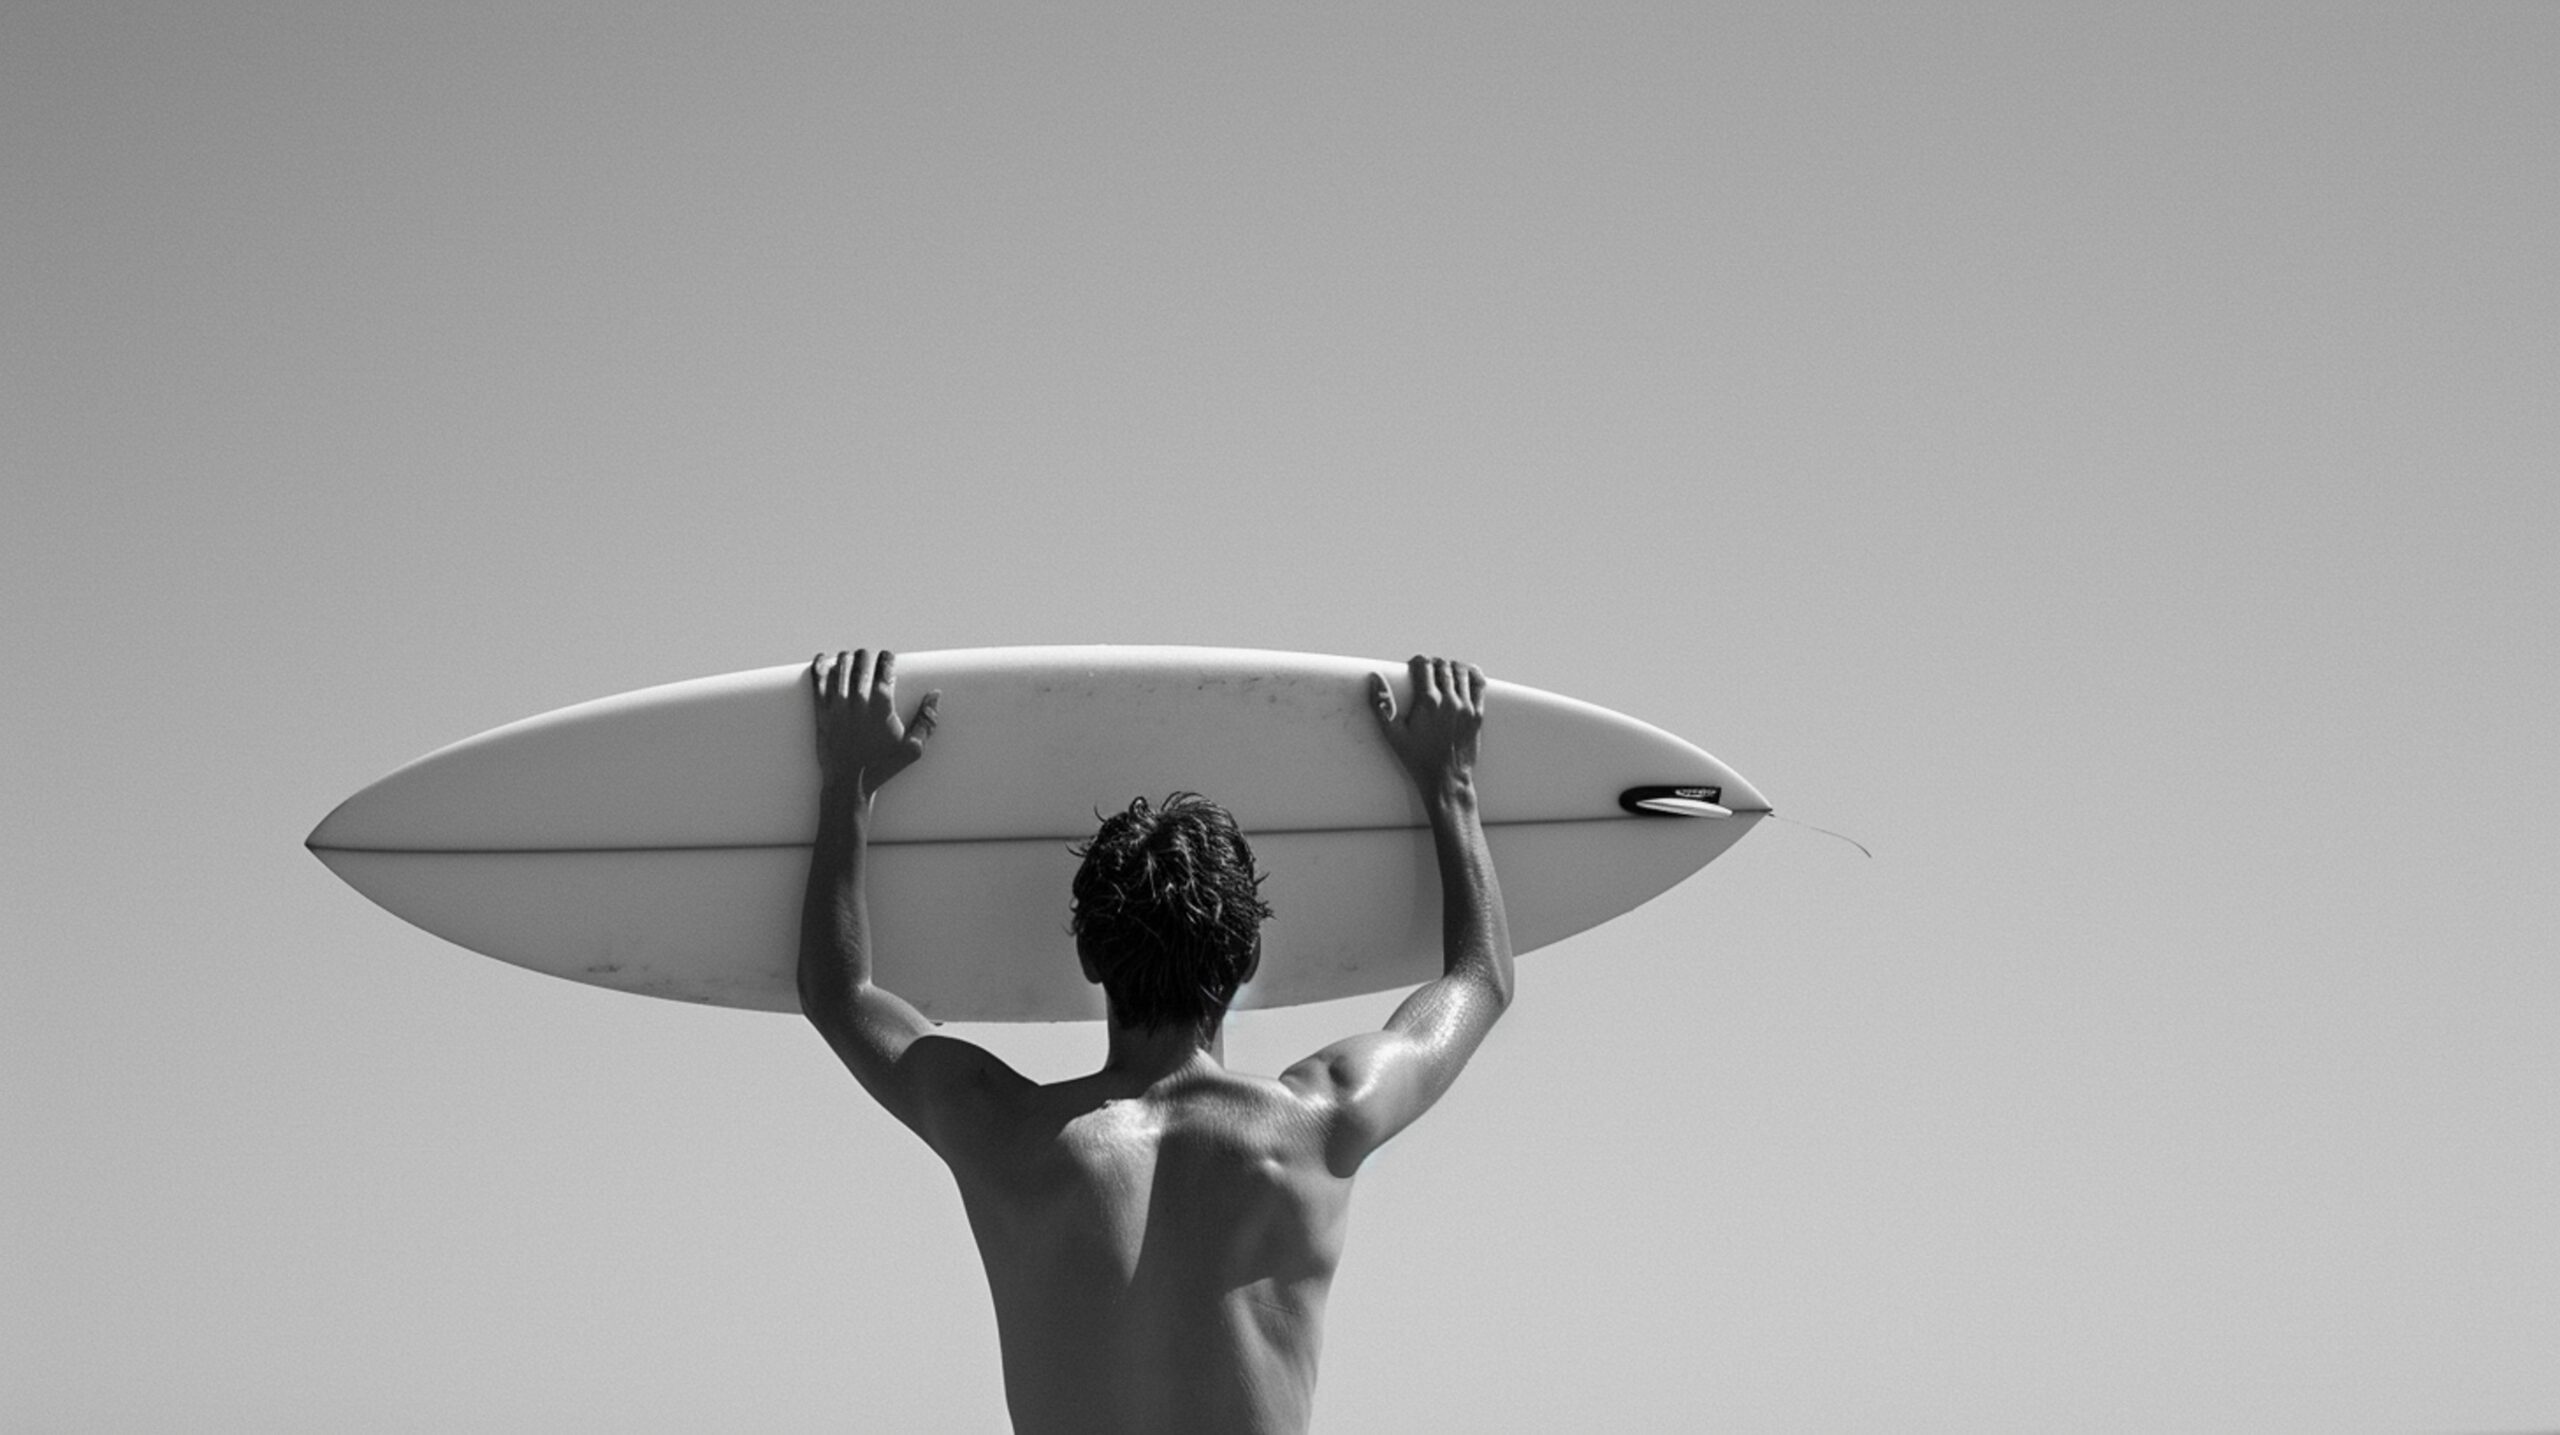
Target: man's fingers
1420,667
858,676
1382,698
921,725
1475,687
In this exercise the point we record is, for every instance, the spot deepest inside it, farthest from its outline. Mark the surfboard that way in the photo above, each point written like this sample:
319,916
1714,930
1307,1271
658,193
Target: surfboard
658,841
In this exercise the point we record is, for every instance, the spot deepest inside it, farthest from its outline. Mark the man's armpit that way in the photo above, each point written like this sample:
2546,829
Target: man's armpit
952,1084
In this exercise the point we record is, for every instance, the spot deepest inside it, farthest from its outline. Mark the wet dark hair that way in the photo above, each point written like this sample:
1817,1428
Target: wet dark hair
1168,910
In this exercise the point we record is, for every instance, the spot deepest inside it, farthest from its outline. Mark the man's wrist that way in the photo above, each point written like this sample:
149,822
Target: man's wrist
1453,794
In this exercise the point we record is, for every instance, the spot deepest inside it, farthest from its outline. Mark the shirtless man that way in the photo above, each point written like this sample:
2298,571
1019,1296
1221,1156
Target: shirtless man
1158,1236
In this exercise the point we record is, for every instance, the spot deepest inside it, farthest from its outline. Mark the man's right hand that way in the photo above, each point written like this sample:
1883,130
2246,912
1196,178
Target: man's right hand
1436,741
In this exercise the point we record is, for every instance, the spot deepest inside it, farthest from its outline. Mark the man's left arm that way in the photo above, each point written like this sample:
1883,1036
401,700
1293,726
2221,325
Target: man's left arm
887,1044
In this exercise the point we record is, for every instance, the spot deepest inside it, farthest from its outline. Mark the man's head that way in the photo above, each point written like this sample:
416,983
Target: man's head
1167,913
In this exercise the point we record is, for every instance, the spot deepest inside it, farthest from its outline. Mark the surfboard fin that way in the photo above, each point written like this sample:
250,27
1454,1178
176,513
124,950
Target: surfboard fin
1684,807
1706,801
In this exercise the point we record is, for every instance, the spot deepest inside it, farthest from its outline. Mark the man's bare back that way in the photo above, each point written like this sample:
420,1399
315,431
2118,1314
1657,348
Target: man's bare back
1159,1237
1159,1245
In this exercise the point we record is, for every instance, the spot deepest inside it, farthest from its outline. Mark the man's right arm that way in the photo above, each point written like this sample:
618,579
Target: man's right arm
1376,1084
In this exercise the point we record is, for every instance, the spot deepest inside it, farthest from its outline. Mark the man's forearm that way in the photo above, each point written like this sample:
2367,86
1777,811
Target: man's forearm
835,922
1475,935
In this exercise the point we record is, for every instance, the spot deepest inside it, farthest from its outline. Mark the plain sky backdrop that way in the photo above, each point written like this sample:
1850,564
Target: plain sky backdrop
2102,459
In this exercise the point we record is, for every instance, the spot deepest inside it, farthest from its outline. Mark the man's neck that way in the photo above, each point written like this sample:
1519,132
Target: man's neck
1154,1051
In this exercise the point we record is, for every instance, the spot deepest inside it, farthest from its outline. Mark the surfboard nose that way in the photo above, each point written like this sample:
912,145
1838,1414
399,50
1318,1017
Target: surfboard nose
339,828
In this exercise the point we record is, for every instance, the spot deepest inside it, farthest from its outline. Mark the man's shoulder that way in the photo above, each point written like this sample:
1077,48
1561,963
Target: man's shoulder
1200,1102
1219,1084
1263,1111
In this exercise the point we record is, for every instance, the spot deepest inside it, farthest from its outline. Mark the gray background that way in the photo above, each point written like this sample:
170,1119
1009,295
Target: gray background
2105,462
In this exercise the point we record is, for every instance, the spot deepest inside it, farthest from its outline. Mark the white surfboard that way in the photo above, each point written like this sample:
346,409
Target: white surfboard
658,841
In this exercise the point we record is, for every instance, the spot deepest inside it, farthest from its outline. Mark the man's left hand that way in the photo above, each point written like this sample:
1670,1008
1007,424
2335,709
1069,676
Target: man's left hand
860,740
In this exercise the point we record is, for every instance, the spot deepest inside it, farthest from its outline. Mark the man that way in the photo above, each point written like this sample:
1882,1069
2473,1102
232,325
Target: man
1158,1236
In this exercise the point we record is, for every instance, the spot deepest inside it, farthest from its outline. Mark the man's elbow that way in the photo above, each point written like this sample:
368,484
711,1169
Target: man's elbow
825,1000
